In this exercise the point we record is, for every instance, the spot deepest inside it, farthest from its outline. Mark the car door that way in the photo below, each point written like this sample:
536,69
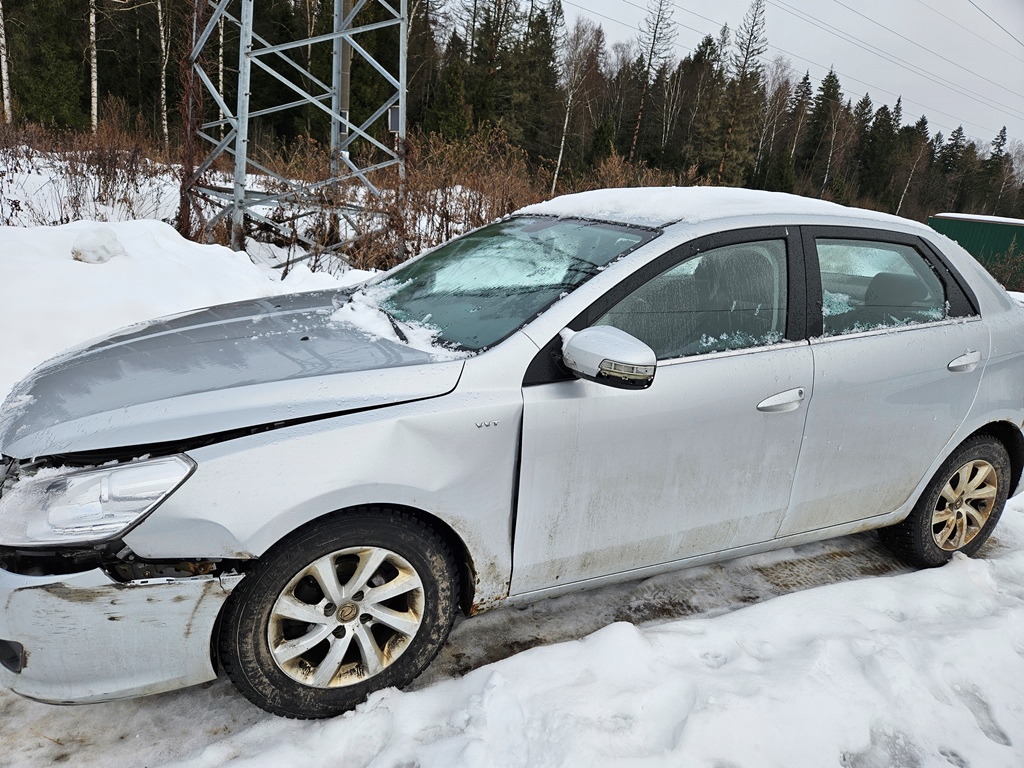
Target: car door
899,352
701,461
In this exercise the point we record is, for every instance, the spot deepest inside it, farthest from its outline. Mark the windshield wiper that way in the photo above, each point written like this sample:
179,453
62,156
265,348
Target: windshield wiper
342,298
394,324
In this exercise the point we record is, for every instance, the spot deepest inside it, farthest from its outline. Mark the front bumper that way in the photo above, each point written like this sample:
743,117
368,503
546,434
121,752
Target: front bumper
88,638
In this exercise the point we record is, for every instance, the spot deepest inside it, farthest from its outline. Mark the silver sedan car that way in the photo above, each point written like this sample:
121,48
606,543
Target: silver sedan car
302,492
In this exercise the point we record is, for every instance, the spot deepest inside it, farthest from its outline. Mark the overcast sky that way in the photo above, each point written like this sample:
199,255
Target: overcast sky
946,58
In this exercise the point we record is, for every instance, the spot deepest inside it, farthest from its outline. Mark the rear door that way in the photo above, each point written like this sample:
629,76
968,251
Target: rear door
899,351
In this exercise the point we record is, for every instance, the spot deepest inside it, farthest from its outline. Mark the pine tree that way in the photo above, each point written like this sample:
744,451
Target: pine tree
876,163
51,76
746,72
997,170
447,112
798,112
491,59
535,91
913,141
656,37
952,151
827,101
863,112
704,81
423,60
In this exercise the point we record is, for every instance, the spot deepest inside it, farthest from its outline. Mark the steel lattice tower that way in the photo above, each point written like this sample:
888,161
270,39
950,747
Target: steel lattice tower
229,133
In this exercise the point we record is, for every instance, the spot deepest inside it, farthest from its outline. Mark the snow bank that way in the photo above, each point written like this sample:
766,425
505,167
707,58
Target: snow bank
49,301
917,669
920,669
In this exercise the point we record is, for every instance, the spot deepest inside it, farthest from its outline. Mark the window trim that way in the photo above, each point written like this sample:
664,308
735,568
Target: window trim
962,302
546,366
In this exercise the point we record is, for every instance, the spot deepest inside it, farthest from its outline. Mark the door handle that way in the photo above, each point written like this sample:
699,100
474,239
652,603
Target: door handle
784,401
965,363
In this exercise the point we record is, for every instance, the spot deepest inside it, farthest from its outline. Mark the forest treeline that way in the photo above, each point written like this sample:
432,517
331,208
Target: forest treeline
583,111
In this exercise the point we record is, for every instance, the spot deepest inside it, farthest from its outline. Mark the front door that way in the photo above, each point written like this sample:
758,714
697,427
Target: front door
702,461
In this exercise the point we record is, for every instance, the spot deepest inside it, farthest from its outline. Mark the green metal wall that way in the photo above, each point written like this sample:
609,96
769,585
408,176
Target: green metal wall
982,239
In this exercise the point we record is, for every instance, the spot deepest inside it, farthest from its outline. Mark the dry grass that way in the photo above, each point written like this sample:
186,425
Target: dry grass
90,174
449,187
1008,267
452,187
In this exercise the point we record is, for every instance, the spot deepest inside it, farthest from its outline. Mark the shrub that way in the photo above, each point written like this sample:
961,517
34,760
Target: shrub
1008,268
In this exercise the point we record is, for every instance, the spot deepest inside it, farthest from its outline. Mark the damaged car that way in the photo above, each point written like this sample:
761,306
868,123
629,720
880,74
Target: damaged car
301,493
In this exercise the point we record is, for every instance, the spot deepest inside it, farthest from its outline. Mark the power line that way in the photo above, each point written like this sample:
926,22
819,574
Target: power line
995,22
971,31
927,49
879,89
875,88
678,24
902,63
591,12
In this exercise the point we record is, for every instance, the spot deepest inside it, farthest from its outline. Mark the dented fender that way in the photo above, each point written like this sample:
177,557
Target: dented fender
452,458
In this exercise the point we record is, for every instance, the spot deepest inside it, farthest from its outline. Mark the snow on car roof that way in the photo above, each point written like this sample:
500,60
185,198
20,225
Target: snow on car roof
659,206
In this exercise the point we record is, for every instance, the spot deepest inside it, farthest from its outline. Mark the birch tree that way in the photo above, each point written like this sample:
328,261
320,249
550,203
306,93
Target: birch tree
163,29
778,91
672,104
5,80
94,94
579,59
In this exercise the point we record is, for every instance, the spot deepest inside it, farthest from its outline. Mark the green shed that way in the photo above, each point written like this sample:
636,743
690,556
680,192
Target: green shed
984,237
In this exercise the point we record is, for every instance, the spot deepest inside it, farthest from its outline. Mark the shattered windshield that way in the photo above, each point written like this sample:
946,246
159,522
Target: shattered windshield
478,289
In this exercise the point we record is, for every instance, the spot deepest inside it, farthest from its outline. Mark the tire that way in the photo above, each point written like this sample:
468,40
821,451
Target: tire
299,642
958,509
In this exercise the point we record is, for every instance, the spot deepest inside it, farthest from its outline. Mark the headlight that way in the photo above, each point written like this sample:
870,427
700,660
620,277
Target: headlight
84,506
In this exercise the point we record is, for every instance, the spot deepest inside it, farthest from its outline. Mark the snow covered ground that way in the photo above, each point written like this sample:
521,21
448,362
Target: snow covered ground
826,655
50,300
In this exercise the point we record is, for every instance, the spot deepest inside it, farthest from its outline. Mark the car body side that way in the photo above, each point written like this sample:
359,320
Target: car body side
472,437
452,459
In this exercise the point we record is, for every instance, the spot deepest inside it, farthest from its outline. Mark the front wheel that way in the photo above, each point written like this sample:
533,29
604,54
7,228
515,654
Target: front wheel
348,605
958,509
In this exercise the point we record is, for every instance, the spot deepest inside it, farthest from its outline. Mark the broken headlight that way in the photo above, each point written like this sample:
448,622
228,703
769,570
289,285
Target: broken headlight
62,506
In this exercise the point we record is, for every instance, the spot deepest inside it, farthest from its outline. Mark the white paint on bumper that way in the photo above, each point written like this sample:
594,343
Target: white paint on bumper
88,638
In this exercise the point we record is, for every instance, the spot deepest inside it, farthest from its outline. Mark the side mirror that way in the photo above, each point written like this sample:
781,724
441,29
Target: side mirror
609,356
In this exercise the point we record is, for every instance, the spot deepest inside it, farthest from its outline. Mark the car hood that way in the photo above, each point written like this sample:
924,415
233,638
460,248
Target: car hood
213,370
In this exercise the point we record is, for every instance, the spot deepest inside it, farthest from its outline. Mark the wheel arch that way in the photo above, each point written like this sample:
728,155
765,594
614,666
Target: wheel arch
460,551
464,561
1010,436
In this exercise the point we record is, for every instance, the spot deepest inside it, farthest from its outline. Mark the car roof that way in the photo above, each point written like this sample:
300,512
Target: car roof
662,206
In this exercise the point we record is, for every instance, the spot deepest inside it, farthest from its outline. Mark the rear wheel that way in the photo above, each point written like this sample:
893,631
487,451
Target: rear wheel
958,509
349,605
